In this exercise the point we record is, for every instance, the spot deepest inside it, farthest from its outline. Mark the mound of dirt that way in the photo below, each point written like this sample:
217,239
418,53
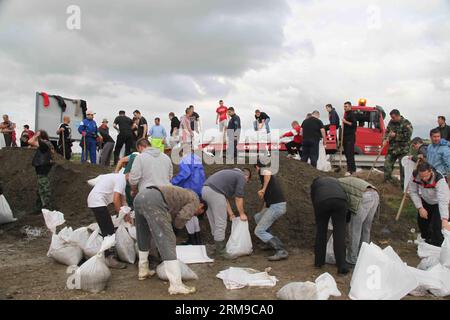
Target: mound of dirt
70,191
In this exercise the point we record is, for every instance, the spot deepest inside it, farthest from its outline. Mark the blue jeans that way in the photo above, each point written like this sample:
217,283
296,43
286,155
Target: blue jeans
91,150
266,218
266,123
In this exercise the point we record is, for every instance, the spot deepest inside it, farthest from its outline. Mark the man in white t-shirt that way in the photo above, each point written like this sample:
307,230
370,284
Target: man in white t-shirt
110,188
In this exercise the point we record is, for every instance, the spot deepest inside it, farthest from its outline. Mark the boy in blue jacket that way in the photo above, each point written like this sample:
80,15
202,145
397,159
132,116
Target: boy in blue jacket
191,176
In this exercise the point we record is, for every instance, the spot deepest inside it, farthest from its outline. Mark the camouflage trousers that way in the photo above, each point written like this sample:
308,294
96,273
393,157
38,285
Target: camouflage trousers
391,157
43,192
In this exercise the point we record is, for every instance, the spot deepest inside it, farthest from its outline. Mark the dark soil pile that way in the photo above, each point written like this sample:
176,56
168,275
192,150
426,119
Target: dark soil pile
70,191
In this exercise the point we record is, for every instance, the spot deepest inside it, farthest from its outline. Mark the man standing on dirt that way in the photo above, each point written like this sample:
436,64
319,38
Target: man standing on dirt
294,147
398,134
430,194
274,207
444,129
222,118
25,136
234,133
124,125
142,125
312,131
108,144
7,127
217,190
110,188
330,201
438,153
349,137
158,211
89,131
363,201
158,135
42,162
65,132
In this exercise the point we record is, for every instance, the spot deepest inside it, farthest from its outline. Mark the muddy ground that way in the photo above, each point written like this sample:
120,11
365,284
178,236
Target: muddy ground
27,273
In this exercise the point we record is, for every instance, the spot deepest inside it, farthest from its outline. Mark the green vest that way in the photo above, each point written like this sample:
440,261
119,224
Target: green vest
354,188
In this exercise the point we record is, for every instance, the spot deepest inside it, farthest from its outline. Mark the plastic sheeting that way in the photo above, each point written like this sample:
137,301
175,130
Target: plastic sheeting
193,254
238,278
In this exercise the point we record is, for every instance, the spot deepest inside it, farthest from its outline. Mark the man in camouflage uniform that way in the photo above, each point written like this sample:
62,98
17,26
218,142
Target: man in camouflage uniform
398,134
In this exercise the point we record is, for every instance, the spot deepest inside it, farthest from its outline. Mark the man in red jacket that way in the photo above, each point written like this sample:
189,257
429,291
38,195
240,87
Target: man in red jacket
294,147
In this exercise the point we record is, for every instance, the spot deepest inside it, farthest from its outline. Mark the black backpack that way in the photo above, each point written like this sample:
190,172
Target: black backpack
43,158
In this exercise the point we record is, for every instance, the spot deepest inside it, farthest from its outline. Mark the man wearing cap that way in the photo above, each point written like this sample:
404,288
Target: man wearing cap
89,131
108,144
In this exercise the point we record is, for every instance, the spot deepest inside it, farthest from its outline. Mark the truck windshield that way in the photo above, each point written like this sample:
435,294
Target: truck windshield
368,119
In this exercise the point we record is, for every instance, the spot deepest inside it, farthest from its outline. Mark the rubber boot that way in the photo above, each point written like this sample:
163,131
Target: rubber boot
190,240
198,239
112,261
173,273
144,270
221,251
280,253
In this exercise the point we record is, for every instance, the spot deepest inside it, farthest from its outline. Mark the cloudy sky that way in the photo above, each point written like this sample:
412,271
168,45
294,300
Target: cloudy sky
285,57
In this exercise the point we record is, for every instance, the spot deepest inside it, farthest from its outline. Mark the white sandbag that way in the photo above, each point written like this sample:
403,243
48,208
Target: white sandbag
132,232
324,287
193,254
80,237
425,250
53,219
94,274
6,215
380,275
444,256
63,250
2,142
329,257
93,244
240,241
124,242
443,274
323,163
186,272
93,226
93,182
428,263
237,278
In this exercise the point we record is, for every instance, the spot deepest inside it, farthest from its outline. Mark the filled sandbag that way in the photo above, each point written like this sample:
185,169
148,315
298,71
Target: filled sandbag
186,272
240,241
329,256
80,236
6,215
94,274
444,256
124,242
63,249
324,287
93,244
53,219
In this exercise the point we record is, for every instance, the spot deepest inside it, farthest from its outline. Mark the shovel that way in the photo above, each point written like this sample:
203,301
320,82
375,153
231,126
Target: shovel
402,204
375,162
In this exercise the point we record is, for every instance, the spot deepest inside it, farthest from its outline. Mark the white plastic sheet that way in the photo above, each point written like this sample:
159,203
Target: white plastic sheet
193,254
237,278
380,275
6,215
324,287
240,241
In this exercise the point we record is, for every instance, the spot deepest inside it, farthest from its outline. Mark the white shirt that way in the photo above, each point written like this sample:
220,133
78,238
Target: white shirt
103,193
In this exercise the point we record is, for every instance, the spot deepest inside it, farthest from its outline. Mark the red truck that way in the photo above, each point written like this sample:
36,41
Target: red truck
369,134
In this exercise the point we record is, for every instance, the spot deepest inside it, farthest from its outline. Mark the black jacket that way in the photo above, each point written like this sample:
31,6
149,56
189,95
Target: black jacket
324,188
61,103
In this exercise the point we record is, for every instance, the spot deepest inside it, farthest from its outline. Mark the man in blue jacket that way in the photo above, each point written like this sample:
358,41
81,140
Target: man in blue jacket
89,131
438,153
191,176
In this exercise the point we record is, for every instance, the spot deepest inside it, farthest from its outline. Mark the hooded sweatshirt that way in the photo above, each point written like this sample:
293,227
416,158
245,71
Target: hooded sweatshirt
151,168
438,155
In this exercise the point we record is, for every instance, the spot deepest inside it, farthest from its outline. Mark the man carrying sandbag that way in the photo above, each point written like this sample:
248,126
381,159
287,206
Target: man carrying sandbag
273,209
110,188
218,188
363,201
158,210
330,201
430,194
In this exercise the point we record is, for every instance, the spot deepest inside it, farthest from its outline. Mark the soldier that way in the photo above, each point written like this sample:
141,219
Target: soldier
398,134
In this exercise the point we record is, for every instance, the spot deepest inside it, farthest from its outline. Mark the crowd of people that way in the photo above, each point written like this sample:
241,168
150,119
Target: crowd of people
163,203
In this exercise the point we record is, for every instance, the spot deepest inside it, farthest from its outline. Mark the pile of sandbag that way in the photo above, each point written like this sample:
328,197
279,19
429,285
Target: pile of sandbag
321,289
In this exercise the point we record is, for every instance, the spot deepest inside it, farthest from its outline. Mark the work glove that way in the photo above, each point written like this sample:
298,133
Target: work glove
83,133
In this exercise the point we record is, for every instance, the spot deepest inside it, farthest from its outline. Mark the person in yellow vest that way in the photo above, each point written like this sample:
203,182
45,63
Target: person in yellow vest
363,201
158,135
